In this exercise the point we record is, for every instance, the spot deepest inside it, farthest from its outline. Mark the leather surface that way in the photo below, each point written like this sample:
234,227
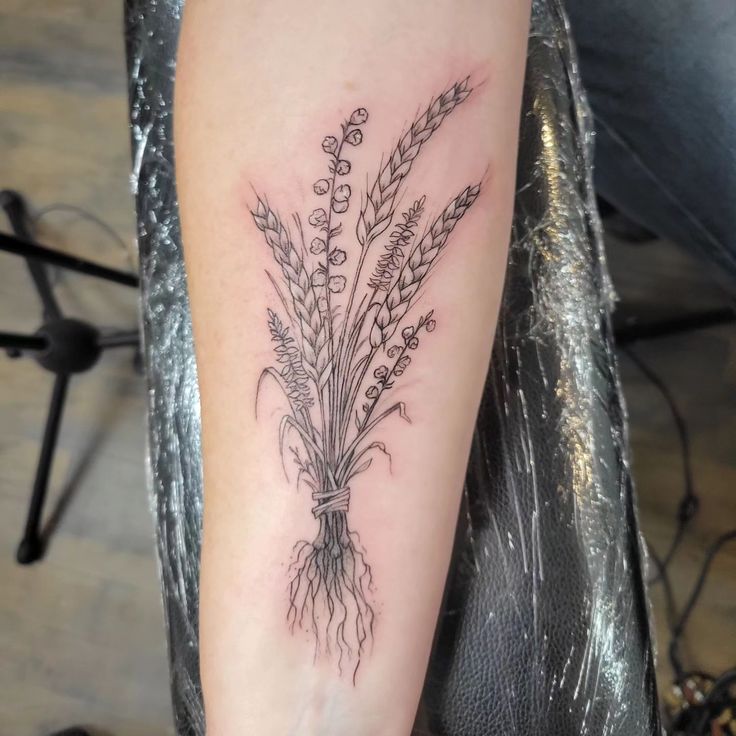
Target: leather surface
545,624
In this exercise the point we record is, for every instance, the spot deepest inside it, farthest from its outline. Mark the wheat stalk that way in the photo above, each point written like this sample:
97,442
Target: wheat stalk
377,211
306,307
417,267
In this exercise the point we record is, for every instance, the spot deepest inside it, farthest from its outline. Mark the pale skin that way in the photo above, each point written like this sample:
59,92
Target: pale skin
258,87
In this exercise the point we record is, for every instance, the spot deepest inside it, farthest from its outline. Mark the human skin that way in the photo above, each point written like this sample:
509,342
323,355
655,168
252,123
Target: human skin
258,87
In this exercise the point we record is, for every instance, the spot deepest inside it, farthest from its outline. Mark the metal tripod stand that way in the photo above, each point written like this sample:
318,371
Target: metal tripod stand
61,345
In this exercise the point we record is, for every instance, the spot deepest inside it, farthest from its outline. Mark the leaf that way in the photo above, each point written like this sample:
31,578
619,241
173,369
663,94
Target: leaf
325,375
311,373
399,407
362,468
281,297
380,446
273,373
360,230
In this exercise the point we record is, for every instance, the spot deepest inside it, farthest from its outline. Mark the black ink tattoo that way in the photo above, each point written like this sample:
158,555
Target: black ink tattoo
337,330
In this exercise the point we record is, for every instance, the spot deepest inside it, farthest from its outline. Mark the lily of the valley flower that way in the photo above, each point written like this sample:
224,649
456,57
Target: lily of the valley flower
329,144
342,193
354,137
317,246
321,186
318,217
336,284
359,116
337,257
340,198
381,372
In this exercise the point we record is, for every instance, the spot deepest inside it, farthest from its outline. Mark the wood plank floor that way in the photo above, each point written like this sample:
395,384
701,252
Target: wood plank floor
81,635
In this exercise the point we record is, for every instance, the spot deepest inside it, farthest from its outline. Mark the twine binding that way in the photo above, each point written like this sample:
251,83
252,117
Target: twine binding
334,500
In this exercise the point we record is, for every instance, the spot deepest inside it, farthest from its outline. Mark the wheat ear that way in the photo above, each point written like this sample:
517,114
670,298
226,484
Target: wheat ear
377,211
306,307
417,267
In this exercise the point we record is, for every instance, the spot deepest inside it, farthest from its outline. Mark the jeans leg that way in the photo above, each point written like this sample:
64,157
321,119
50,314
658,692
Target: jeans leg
661,79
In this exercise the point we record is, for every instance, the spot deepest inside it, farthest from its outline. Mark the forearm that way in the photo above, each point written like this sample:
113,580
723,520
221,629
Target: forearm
345,173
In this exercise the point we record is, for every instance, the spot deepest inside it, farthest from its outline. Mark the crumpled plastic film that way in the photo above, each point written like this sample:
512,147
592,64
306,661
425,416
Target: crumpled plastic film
544,626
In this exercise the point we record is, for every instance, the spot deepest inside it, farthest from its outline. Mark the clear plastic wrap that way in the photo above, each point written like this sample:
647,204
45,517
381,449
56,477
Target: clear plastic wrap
544,627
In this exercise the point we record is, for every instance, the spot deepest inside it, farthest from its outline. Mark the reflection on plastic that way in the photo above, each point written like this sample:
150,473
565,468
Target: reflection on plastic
544,627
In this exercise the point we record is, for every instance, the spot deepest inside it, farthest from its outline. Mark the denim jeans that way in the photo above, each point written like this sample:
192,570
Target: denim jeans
661,80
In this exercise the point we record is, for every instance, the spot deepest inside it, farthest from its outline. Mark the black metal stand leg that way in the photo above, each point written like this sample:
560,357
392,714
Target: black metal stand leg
15,208
21,244
126,339
30,548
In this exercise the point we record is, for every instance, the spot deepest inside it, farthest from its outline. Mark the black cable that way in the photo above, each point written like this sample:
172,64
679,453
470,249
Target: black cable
669,597
696,719
84,214
692,601
689,502
89,216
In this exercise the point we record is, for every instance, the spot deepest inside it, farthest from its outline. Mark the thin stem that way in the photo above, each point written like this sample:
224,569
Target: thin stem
328,238
345,460
391,375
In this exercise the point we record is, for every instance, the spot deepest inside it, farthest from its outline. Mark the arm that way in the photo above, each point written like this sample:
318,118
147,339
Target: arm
345,173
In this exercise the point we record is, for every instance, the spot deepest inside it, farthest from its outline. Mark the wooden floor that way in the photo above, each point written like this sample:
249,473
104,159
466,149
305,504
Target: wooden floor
81,634
658,281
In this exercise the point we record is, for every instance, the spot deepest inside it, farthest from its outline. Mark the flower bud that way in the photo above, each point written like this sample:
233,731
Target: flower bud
372,392
319,278
321,186
337,257
359,116
336,284
430,325
407,333
318,217
329,144
340,207
381,372
342,193
317,246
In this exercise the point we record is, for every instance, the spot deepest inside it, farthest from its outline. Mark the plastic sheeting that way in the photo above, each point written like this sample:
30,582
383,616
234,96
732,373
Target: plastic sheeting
544,626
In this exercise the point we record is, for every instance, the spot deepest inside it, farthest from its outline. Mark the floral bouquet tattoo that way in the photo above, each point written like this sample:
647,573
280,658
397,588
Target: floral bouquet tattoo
338,355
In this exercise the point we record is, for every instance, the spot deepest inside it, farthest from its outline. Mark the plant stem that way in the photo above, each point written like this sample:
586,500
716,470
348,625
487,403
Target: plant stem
331,381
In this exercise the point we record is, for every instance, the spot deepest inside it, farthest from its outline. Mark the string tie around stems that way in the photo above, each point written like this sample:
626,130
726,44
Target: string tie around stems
337,499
